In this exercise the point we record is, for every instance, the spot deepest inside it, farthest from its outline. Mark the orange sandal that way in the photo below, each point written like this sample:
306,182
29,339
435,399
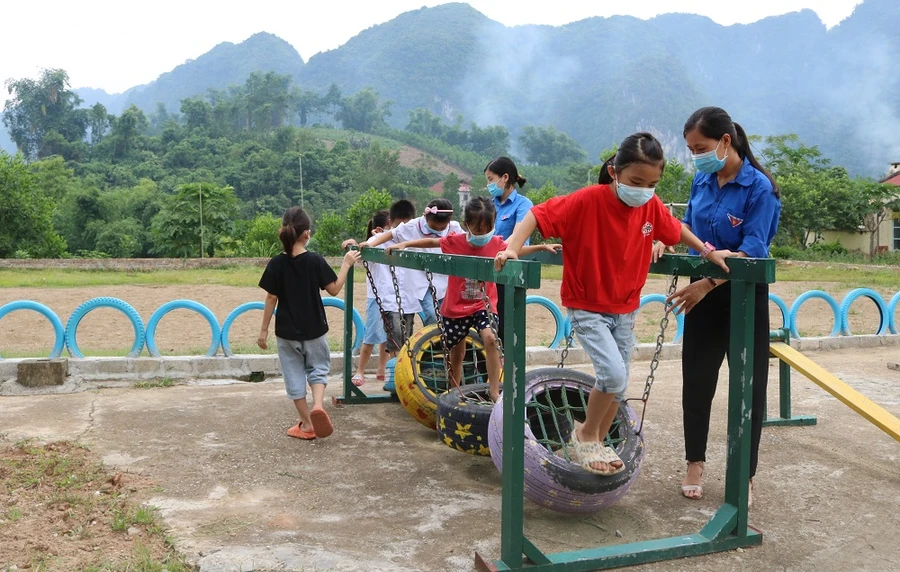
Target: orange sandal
297,432
321,422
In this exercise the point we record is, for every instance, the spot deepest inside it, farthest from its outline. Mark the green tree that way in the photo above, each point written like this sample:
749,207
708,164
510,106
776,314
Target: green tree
120,238
873,203
181,225
26,214
549,146
675,184
363,209
364,111
332,102
127,131
540,196
328,234
424,122
40,107
261,239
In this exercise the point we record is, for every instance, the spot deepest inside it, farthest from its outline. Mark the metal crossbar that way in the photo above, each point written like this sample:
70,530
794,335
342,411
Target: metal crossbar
726,530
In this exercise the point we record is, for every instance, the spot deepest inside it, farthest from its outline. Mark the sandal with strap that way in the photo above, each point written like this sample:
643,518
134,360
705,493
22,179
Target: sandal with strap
358,380
687,490
595,452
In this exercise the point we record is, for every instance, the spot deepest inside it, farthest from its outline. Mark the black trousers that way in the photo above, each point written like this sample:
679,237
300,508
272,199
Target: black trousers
501,289
705,345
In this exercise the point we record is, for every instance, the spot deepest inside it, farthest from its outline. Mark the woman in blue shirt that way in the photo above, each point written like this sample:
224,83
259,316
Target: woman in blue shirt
502,178
734,205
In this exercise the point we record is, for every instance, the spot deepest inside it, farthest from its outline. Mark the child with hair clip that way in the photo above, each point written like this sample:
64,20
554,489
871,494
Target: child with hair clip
434,223
293,280
608,232
463,307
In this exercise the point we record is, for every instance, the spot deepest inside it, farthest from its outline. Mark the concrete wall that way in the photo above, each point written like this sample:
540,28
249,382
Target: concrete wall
860,240
138,264
90,373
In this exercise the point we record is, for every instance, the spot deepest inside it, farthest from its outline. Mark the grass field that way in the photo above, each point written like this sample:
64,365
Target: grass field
879,276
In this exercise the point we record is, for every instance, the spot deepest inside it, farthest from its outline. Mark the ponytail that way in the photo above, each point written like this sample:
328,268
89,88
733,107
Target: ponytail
605,178
520,180
294,223
742,146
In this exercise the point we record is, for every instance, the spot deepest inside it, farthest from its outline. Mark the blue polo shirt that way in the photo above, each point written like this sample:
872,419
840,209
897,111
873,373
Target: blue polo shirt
512,211
741,216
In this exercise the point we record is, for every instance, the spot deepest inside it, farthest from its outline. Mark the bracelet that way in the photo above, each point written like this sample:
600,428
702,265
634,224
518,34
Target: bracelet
707,248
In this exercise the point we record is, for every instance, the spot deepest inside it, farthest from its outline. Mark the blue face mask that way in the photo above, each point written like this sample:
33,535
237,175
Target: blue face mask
430,230
709,162
495,190
634,196
479,240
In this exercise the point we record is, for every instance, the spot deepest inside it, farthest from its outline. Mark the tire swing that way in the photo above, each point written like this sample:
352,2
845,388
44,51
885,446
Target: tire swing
555,400
464,412
420,375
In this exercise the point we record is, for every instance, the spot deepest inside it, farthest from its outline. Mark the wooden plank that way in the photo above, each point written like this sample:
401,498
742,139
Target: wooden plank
858,402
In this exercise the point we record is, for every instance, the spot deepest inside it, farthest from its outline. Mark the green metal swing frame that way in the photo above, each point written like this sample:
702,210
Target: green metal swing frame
728,529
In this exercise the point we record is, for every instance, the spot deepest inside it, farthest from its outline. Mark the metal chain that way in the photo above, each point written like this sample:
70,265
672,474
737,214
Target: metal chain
570,337
440,324
495,326
654,363
385,319
402,316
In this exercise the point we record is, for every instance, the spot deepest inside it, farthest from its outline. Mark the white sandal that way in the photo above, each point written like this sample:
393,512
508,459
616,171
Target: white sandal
685,489
594,452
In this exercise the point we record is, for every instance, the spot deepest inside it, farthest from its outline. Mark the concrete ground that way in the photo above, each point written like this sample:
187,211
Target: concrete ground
384,494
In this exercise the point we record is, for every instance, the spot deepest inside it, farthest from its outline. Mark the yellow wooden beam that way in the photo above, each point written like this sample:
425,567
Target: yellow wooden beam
855,400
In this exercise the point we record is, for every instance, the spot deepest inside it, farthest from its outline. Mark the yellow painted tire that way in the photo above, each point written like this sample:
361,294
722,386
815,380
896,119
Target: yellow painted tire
420,383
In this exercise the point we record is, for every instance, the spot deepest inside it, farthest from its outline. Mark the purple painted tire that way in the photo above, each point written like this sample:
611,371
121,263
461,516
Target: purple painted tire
552,481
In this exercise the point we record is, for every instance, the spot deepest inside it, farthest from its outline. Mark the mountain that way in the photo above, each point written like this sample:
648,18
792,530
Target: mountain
600,79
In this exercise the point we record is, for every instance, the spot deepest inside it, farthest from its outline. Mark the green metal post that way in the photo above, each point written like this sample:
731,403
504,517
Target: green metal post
785,418
740,399
512,501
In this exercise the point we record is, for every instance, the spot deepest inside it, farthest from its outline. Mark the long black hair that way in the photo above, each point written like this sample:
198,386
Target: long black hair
378,220
505,166
479,209
714,123
637,148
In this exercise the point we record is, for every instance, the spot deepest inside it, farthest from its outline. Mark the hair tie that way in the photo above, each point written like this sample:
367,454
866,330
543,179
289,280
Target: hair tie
435,210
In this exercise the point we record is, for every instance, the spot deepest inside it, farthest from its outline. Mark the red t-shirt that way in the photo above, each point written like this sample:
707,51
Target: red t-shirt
464,296
606,246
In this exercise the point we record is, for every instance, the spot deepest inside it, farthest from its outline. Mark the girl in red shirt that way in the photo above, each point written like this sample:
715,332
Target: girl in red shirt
608,232
464,305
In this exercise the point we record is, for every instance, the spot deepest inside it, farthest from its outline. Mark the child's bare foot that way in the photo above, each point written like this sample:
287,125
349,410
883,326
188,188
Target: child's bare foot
691,487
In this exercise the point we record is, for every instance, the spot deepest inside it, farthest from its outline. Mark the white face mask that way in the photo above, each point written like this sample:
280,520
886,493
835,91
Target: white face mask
634,196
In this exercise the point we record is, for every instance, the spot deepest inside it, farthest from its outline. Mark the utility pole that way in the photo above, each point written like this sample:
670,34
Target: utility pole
202,249
302,206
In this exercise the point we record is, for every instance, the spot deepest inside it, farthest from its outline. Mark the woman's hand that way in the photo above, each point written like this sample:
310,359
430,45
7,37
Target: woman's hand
502,257
685,299
659,249
348,242
261,340
350,258
394,247
718,257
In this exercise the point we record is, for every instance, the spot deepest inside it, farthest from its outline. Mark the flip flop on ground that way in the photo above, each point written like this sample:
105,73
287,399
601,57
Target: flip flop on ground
321,422
594,452
297,432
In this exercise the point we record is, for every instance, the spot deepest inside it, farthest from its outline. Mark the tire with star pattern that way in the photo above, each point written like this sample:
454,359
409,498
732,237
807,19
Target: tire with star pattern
464,416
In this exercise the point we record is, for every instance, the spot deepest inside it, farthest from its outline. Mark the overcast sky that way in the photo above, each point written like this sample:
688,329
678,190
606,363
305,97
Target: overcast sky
110,45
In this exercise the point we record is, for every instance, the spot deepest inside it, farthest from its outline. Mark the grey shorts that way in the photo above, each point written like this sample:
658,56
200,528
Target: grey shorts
303,363
608,339
395,337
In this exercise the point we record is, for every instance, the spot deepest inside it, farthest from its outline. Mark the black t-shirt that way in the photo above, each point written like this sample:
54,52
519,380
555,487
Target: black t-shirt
297,280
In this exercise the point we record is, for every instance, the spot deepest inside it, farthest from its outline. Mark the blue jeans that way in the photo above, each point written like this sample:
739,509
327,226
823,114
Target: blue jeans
429,312
303,363
608,340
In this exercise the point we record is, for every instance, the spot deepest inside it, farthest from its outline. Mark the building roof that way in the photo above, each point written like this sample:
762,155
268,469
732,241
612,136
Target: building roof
892,179
437,188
